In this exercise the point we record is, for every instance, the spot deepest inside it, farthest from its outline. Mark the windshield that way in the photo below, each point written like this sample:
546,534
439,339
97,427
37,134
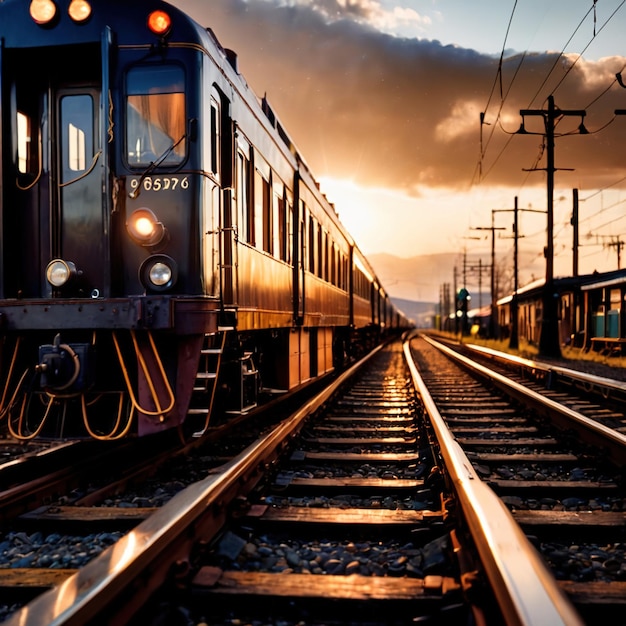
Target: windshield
155,114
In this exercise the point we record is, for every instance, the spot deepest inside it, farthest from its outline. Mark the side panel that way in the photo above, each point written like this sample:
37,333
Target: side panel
305,358
326,305
362,312
324,350
265,289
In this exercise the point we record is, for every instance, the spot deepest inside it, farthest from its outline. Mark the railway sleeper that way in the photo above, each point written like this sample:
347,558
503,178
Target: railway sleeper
335,599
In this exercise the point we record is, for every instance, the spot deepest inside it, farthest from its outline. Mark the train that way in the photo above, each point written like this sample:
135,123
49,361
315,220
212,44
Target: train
167,253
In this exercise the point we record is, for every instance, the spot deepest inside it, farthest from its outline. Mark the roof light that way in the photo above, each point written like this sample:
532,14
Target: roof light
80,10
159,22
42,11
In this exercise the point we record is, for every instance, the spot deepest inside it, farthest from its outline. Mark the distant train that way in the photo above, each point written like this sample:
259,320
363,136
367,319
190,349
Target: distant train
159,231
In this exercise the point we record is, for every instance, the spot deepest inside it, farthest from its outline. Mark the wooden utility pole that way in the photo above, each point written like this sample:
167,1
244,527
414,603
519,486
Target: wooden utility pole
549,342
492,316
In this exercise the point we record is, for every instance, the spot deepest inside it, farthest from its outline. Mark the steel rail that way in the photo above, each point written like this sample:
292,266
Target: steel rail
606,438
149,553
526,591
583,377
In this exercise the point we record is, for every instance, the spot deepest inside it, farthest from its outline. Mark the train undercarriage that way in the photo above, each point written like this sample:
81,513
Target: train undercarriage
109,384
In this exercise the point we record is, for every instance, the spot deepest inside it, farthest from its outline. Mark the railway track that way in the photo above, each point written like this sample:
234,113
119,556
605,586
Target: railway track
597,397
560,472
354,508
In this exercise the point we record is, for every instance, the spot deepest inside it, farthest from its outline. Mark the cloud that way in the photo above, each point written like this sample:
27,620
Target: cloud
362,11
402,113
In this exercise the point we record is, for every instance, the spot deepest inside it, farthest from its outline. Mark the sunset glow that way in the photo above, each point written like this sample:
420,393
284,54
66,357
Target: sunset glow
384,101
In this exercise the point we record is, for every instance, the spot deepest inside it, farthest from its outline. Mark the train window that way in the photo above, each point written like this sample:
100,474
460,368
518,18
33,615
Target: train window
263,211
281,224
320,254
215,136
27,114
289,231
311,267
326,257
155,115
77,134
278,226
25,144
244,206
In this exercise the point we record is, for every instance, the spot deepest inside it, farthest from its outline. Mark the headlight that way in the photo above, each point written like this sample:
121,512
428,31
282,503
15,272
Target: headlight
80,10
59,272
144,227
42,11
158,273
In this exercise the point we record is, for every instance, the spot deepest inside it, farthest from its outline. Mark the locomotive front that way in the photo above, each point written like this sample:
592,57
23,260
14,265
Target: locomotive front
109,267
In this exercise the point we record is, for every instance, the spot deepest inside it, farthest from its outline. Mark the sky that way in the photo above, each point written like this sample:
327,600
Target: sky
384,100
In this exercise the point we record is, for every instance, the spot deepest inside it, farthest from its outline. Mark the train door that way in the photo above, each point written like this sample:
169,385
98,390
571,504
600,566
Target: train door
77,219
212,227
57,197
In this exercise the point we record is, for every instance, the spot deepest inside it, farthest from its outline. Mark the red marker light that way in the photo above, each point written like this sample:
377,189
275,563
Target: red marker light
159,22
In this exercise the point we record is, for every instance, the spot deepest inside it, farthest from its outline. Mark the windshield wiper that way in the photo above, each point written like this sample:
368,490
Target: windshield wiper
153,165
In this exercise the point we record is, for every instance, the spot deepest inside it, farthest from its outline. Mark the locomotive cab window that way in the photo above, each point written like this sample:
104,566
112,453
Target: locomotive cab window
25,145
27,115
77,132
155,115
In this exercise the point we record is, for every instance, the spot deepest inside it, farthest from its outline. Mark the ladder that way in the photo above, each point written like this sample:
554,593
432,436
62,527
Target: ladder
207,374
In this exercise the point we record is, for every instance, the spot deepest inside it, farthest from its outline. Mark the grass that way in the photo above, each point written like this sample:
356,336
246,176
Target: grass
529,350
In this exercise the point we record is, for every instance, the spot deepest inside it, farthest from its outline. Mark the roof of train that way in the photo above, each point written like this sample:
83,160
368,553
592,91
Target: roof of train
18,29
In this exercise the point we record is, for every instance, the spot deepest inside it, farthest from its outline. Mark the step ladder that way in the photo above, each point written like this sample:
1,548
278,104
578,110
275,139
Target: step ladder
208,371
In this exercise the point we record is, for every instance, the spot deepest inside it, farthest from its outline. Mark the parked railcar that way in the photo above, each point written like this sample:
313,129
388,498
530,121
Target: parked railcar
589,311
159,230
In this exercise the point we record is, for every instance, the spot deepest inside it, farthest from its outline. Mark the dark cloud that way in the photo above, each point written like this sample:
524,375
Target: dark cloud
404,113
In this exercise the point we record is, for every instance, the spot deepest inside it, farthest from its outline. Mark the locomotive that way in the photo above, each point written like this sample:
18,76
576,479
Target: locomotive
165,247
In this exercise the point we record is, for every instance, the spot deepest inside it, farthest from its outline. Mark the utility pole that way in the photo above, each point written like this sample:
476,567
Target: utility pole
514,337
456,318
492,228
446,305
574,222
480,284
618,244
549,343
